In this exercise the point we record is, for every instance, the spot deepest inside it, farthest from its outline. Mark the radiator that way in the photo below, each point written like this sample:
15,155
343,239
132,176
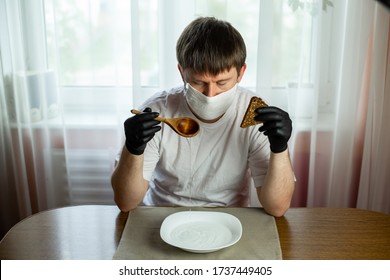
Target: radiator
88,174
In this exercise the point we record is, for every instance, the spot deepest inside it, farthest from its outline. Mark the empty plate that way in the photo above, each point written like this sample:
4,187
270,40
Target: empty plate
201,231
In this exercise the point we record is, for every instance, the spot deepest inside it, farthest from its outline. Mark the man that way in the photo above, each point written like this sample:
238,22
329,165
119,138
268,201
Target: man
219,164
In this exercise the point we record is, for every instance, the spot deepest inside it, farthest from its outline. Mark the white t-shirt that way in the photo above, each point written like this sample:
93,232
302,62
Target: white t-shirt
214,168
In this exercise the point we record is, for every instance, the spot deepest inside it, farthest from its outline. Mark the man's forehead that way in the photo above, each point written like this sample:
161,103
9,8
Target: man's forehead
232,72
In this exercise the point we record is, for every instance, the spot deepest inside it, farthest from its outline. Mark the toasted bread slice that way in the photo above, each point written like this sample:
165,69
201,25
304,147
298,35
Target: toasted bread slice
249,117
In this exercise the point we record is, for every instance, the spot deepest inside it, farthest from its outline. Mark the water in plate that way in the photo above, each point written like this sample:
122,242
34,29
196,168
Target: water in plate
201,235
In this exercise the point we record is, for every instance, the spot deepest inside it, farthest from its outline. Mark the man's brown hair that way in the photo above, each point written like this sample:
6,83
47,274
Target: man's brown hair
211,46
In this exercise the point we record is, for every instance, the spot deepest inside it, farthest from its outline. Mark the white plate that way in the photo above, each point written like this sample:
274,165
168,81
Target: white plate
201,231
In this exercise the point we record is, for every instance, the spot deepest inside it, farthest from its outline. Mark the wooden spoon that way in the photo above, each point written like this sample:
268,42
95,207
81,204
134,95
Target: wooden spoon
185,126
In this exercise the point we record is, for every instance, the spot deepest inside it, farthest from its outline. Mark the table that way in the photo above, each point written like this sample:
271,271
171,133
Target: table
93,232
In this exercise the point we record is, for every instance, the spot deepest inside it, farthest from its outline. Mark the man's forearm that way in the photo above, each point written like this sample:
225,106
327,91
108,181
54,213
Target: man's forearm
127,181
276,193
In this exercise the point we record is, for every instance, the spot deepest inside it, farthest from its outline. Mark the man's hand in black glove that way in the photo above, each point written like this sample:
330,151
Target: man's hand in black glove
139,130
276,125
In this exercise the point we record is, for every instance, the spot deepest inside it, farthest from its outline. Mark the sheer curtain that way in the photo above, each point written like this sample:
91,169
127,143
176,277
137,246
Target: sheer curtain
31,126
341,158
71,70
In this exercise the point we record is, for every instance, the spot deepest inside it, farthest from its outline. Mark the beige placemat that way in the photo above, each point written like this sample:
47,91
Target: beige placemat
141,237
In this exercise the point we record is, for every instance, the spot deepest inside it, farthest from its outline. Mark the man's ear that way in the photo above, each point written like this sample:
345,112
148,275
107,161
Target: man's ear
241,74
181,72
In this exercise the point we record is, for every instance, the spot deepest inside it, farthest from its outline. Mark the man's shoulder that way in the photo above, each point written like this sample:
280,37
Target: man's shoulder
162,97
175,91
245,91
244,96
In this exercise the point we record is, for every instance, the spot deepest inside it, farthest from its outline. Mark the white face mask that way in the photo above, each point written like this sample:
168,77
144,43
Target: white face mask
209,108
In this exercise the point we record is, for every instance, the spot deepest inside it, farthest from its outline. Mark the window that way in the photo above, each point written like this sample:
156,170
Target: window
89,42
108,56
100,43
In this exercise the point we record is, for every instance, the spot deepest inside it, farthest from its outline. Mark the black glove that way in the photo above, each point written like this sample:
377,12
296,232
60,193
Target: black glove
139,130
276,125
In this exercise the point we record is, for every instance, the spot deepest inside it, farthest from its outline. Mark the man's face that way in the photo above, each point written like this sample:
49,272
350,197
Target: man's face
212,85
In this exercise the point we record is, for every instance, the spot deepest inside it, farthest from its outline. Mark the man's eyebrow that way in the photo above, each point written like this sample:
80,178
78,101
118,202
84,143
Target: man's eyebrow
223,80
198,81
217,81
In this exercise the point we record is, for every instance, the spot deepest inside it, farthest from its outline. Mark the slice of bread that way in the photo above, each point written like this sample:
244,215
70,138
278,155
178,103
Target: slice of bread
249,117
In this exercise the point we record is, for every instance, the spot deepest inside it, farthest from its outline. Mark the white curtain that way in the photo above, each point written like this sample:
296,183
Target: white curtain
29,115
374,191
71,70
341,158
